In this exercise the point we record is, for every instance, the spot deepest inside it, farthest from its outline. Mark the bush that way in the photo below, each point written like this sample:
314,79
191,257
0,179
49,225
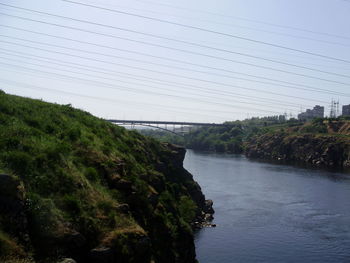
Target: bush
187,208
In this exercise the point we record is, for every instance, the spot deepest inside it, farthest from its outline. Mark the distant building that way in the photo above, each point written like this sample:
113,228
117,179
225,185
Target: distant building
316,112
346,110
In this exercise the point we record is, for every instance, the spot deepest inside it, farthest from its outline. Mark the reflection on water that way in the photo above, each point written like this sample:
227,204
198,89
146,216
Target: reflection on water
268,212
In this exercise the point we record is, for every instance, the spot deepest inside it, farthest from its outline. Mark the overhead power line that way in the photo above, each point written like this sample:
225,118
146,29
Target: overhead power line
155,80
227,24
143,85
178,41
248,20
180,50
206,30
176,60
173,67
212,43
159,72
128,89
269,105
133,90
144,78
163,107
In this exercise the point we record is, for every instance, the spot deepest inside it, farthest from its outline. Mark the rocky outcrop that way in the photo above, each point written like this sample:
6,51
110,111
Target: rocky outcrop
208,207
13,216
139,245
86,190
102,255
320,150
67,260
205,210
74,245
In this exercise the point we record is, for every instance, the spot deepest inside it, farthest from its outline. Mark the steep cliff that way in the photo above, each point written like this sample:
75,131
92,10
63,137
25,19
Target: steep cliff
322,142
75,186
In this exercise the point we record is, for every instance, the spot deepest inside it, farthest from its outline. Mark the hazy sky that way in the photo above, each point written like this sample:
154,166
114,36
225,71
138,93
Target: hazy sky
118,65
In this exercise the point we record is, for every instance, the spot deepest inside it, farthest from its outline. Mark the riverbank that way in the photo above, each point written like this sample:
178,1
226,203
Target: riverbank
74,186
321,142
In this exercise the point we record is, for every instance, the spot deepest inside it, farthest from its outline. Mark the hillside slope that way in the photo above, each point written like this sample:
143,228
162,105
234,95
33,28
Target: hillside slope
73,185
321,142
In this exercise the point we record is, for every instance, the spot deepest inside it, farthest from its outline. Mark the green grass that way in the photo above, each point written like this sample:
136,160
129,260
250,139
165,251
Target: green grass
65,158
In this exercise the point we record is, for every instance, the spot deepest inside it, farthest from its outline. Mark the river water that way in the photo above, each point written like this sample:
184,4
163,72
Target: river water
271,213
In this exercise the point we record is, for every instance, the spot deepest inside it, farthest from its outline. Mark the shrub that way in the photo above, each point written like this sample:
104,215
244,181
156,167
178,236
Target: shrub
187,208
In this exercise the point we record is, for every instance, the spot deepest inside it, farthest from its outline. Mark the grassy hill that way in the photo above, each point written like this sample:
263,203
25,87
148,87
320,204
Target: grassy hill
73,185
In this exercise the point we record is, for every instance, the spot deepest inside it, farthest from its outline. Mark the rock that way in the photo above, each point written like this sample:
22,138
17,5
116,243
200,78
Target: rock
123,208
156,181
329,150
208,225
121,170
9,187
346,163
79,185
75,240
115,178
123,185
102,255
178,155
67,260
142,248
208,207
208,217
196,225
153,199
12,207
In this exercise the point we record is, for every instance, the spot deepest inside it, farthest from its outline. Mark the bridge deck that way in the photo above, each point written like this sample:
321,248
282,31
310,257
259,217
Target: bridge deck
166,123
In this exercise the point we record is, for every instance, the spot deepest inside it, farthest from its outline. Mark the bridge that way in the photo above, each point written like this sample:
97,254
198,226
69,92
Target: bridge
184,127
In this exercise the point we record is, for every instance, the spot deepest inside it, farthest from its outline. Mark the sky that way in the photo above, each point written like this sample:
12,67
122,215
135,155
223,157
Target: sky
184,60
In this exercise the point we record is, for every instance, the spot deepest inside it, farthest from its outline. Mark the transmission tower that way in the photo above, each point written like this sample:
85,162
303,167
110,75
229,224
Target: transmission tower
334,109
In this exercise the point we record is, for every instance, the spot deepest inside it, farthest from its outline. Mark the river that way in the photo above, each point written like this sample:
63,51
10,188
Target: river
271,213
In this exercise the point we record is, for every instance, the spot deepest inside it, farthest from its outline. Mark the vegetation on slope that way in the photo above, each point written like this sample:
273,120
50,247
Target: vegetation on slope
321,141
77,186
228,138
